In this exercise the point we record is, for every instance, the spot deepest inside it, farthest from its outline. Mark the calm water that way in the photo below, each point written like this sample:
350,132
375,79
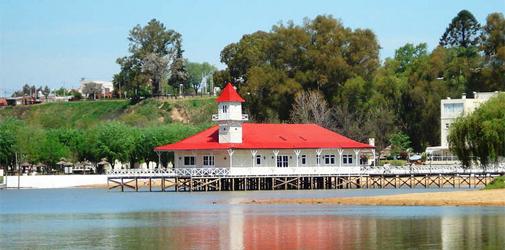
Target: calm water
100,219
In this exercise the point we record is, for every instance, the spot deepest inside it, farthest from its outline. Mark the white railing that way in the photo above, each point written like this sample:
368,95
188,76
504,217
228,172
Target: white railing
298,171
169,172
218,117
438,169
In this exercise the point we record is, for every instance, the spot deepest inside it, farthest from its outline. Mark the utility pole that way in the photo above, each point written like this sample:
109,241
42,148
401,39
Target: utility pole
19,170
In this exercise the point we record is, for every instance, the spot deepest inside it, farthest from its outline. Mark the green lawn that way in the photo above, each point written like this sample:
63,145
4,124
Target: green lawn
498,182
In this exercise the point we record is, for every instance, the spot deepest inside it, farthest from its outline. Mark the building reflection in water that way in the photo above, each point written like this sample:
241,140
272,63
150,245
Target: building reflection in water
254,228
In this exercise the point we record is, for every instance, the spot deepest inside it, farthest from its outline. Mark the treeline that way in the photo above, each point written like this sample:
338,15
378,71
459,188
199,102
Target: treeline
110,141
361,96
480,136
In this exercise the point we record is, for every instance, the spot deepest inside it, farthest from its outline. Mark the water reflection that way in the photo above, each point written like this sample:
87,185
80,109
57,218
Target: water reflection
240,229
101,220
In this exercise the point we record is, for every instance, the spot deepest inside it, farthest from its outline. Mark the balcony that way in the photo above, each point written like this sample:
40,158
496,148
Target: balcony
224,117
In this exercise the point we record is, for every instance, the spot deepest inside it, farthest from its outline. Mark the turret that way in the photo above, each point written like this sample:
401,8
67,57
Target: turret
230,115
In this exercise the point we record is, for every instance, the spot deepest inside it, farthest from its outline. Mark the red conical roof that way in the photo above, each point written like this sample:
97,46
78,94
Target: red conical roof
229,94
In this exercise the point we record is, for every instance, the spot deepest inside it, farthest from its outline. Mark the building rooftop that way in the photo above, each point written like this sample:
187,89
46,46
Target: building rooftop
268,136
229,94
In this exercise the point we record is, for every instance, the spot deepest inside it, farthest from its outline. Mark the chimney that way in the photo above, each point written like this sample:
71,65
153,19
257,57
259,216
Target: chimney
371,141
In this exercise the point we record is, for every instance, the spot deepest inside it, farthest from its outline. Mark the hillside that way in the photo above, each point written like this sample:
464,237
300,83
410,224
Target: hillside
88,114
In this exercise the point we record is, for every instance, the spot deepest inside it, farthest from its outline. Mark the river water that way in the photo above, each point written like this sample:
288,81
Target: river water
100,219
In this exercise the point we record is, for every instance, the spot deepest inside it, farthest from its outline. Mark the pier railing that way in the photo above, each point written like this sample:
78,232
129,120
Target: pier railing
298,171
170,172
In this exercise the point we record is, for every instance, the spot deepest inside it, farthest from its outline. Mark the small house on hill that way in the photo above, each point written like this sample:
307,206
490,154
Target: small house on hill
258,149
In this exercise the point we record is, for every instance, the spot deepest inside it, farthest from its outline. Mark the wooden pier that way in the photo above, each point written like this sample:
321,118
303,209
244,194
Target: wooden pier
167,183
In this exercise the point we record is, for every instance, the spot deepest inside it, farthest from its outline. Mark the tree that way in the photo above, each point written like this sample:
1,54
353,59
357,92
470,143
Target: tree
311,107
400,145
151,48
198,73
178,73
114,141
8,141
269,68
91,90
493,46
463,31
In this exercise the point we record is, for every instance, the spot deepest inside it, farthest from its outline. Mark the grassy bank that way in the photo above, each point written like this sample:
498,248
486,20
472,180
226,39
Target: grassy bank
86,114
497,183
93,130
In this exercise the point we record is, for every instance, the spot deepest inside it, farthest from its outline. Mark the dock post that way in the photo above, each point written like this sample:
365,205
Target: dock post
122,185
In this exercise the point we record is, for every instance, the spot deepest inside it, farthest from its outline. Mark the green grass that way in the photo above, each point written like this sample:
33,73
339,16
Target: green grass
497,183
1,179
88,114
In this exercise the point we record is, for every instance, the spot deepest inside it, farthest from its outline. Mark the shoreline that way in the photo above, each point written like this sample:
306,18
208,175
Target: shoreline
454,198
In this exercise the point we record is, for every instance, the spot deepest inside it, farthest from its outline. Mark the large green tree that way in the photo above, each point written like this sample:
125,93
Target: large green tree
269,68
151,48
463,31
198,73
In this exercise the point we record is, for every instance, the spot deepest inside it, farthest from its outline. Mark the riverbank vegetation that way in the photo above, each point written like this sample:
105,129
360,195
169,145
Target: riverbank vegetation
93,130
497,183
361,96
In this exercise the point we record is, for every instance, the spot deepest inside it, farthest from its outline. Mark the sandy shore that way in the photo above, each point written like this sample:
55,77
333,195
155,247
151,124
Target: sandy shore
456,198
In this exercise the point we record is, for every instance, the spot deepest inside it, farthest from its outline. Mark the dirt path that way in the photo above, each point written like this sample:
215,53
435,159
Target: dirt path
456,198
177,116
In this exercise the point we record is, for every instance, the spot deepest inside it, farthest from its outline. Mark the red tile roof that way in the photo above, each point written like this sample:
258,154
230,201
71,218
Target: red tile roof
229,94
268,136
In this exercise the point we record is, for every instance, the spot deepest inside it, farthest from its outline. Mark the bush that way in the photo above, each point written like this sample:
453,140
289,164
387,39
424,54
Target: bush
400,163
497,183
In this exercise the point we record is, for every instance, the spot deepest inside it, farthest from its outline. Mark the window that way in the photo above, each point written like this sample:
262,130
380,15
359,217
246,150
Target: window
347,159
189,160
447,125
282,161
258,160
318,159
304,159
208,160
453,107
329,159
225,108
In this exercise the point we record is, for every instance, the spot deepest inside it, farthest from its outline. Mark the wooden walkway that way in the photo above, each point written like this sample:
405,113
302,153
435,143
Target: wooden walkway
162,183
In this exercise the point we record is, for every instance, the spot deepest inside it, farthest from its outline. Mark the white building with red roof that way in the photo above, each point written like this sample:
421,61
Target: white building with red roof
265,149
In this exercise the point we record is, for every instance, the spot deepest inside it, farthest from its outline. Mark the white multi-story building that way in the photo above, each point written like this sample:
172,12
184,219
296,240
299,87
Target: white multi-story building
266,149
450,110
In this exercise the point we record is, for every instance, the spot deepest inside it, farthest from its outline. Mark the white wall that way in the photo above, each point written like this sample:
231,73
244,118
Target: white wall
55,181
244,158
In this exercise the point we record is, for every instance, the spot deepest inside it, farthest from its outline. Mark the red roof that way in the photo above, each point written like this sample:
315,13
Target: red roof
268,136
229,94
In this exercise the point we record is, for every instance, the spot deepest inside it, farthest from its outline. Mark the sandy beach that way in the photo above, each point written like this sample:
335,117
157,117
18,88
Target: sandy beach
456,198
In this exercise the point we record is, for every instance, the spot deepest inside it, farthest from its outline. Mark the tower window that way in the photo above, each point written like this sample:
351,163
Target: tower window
225,108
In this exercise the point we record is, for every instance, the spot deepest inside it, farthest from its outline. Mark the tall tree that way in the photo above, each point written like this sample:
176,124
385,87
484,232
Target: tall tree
178,73
493,46
151,48
198,73
311,107
463,31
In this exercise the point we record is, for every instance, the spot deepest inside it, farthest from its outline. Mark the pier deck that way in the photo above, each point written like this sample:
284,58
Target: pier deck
216,179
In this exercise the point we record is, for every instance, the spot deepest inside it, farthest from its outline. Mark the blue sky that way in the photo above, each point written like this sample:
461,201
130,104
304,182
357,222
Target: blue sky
57,42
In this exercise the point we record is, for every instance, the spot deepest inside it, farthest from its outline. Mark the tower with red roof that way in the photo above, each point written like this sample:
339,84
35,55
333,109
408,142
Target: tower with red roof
229,116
